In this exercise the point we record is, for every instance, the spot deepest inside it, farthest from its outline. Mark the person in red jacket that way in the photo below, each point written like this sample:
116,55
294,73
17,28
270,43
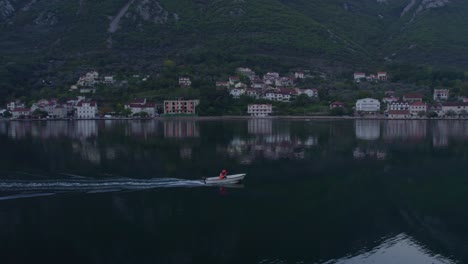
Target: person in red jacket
222,175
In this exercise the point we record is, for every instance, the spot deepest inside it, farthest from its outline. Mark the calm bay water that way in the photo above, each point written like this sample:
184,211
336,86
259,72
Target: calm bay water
316,192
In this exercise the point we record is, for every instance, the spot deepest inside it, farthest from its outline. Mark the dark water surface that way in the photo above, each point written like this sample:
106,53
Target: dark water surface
316,192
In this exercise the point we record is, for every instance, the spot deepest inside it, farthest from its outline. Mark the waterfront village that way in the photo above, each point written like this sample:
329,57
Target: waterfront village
271,87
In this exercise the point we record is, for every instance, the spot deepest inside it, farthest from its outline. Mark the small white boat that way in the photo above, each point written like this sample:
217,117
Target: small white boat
230,179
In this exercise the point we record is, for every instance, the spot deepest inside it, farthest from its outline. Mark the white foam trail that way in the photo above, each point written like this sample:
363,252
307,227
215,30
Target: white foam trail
88,185
24,195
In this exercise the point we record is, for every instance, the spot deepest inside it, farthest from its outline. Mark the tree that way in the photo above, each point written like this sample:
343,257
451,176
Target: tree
432,114
421,113
450,113
337,111
40,113
302,100
126,112
463,113
142,114
7,114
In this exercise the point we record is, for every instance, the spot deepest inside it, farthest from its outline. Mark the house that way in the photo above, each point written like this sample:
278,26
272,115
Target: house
436,108
86,109
441,94
222,85
88,90
280,95
390,99
233,80
413,97
245,71
258,84
58,111
417,107
368,105
455,107
382,76
271,75
88,80
399,114
20,112
141,105
299,75
240,85
371,77
358,76
337,104
465,100
255,93
109,80
309,92
185,81
237,92
398,105
283,81
14,104
259,110
180,107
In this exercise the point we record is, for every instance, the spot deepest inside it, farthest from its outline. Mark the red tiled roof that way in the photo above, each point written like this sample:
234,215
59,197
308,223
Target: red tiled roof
142,105
415,95
399,112
337,103
90,103
418,104
21,110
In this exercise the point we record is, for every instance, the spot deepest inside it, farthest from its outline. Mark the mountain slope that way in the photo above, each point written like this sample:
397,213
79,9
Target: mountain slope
53,36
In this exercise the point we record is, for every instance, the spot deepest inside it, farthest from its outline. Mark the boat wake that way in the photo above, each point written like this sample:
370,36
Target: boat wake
32,188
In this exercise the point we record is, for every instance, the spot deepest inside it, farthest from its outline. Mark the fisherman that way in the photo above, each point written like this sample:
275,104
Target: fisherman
222,175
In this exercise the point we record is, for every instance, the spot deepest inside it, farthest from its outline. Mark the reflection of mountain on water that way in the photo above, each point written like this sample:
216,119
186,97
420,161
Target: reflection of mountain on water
367,129
399,249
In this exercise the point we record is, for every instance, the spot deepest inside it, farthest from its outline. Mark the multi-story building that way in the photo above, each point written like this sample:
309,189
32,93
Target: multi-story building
399,105
14,104
185,81
413,97
368,105
382,76
441,94
20,112
86,110
180,107
358,76
259,110
417,107
141,105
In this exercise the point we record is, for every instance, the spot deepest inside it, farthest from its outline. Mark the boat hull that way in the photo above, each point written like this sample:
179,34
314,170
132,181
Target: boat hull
230,179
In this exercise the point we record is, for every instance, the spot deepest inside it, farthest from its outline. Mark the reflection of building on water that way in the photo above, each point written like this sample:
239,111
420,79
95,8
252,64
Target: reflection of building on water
443,130
260,126
85,129
181,129
143,128
367,129
47,130
88,151
405,129
186,153
361,153
272,147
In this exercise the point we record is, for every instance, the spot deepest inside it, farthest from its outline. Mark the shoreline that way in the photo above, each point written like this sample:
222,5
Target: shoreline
213,118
